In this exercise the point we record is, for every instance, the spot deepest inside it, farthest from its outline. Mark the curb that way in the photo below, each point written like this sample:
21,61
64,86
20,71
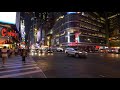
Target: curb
37,66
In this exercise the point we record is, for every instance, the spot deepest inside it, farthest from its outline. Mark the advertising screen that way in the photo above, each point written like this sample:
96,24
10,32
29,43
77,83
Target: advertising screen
8,17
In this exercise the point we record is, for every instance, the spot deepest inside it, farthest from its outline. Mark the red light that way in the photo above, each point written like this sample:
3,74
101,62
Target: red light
97,47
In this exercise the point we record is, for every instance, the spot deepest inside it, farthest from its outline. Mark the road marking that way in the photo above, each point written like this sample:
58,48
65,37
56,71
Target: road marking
19,74
8,65
102,76
18,63
19,69
39,68
16,66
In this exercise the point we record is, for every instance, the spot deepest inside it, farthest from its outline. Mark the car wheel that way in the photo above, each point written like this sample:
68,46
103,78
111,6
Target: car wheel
76,55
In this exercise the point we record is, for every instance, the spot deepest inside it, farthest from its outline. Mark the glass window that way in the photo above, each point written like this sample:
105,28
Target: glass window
66,39
73,24
72,38
62,39
82,39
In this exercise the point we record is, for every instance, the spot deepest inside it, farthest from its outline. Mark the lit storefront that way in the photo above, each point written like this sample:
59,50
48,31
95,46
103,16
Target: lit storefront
9,29
8,37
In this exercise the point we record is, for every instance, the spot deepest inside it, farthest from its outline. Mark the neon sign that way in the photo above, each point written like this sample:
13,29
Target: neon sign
76,37
73,44
5,32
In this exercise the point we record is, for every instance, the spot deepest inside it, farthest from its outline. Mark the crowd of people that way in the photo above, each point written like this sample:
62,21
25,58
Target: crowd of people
7,53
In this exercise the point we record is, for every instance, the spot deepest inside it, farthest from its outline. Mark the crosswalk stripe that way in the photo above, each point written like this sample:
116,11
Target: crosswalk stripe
8,65
19,69
12,67
18,63
19,74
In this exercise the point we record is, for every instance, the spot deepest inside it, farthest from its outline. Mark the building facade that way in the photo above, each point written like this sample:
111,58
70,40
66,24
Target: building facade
85,30
114,29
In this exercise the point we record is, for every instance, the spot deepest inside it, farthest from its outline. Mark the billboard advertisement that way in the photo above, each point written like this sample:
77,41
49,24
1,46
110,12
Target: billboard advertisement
8,17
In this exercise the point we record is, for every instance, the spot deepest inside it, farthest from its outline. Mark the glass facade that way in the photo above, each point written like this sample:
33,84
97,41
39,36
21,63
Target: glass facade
90,27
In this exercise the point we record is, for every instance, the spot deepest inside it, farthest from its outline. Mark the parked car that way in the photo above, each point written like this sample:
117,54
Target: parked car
76,52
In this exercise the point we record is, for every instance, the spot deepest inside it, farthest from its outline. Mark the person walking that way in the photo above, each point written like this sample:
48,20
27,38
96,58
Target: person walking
24,55
16,51
4,55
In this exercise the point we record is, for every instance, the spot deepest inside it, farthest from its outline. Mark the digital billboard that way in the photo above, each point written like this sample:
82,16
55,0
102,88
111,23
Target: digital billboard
8,17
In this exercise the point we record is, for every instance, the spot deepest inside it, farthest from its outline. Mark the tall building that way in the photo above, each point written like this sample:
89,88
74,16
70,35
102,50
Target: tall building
85,30
32,28
114,28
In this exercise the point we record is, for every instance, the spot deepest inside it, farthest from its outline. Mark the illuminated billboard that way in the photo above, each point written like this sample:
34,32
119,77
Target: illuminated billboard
8,17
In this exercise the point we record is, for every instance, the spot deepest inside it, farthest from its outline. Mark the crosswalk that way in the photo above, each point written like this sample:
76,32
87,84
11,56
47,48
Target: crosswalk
14,68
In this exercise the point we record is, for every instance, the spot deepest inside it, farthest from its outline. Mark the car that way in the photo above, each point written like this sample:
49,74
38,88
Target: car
49,51
59,49
33,52
76,52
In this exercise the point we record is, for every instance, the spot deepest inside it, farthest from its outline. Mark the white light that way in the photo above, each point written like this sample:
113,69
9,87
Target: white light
68,37
32,54
71,12
80,52
8,17
83,13
43,54
51,53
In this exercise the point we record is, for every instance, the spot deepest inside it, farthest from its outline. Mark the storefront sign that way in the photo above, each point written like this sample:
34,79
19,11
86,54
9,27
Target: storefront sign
5,32
73,44
76,37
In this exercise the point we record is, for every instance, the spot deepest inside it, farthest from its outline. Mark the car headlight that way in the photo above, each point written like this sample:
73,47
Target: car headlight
80,52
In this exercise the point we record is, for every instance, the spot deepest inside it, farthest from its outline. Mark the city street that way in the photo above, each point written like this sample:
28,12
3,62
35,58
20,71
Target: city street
58,65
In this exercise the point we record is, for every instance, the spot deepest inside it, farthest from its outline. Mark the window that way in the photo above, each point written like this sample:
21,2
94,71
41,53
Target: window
73,24
62,39
72,38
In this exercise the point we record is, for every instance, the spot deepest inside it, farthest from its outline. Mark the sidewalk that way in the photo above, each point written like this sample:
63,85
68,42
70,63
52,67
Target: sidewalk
15,69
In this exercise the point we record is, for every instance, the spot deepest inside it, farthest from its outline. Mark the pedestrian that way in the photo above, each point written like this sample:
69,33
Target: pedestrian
24,55
41,51
4,55
10,52
16,52
0,53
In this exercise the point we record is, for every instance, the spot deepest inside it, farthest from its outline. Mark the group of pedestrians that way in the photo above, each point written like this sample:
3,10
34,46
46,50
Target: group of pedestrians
7,53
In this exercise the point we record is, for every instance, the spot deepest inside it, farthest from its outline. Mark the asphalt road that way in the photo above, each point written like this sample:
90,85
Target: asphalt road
95,65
